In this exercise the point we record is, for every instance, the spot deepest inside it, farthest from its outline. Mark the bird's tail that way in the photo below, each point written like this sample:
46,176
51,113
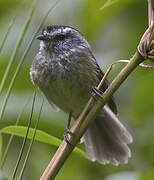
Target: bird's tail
106,139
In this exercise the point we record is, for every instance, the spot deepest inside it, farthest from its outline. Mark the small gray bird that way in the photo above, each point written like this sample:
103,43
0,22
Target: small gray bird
66,71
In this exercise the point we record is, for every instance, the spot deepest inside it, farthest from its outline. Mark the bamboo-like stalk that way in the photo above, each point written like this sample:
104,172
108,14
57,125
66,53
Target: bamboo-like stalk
81,124
145,50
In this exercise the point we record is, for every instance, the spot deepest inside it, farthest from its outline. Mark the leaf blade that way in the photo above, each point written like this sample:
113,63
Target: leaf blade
108,3
41,136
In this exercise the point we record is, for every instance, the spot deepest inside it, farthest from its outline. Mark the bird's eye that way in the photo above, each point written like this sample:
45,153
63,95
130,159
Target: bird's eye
60,37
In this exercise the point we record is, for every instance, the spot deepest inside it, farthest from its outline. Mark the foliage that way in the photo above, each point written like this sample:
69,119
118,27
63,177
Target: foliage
113,28
40,136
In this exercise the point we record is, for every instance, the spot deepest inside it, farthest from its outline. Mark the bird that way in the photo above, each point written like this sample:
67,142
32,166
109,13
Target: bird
67,73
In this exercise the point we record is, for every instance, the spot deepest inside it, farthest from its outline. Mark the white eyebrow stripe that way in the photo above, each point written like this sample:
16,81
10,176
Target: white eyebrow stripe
45,32
66,29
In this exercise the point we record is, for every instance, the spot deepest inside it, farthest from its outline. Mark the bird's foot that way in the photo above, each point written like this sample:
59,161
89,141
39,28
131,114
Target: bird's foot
67,135
97,93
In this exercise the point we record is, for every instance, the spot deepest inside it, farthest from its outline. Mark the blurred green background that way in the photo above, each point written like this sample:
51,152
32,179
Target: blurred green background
113,33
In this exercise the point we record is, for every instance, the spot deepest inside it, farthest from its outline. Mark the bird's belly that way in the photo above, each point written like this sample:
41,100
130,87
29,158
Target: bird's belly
67,94
67,87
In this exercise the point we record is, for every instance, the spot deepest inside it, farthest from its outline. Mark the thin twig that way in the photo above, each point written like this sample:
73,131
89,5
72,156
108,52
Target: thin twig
147,66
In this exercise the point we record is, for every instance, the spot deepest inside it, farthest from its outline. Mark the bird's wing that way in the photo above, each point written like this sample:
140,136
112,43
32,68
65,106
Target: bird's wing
54,107
100,75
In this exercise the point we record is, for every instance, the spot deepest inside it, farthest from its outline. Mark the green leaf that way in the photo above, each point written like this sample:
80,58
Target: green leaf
12,58
8,92
93,17
109,3
40,136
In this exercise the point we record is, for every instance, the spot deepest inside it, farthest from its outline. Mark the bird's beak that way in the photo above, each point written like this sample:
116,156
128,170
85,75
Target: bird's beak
43,37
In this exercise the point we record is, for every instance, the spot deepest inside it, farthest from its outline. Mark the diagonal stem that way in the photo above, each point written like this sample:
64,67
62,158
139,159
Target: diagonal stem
88,114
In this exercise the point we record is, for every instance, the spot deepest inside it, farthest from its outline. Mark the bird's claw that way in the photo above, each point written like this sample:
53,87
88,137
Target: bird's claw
96,93
66,136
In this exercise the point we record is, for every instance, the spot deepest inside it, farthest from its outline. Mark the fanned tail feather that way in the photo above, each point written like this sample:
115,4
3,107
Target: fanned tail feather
106,139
